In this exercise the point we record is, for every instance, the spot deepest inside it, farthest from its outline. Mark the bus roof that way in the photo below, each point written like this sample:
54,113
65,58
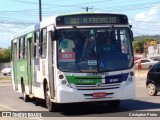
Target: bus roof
52,20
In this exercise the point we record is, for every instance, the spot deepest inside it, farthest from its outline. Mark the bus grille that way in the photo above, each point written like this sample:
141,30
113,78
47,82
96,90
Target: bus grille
95,87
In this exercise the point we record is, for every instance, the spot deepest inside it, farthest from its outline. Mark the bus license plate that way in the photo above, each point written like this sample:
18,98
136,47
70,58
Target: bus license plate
99,94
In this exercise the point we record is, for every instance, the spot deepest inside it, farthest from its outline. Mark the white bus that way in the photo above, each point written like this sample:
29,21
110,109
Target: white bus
84,57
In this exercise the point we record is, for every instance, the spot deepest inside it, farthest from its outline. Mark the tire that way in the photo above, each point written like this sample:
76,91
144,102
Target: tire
152,89
25,96
49,104
4,74
114,104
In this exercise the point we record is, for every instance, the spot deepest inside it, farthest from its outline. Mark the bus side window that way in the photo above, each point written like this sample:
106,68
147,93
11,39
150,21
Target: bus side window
18,49
43,43
25,46
36,44
21,48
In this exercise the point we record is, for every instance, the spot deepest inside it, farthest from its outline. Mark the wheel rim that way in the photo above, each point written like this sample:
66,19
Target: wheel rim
151,89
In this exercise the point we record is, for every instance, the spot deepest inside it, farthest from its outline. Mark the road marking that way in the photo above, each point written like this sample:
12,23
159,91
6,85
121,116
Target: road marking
8,108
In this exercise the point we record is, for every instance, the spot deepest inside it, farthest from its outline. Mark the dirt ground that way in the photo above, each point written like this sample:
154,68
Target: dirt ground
5,78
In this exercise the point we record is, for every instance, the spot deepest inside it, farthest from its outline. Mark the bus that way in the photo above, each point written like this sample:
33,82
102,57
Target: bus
74,58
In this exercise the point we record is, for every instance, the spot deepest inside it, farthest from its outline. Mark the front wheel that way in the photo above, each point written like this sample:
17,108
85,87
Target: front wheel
151,89
50,105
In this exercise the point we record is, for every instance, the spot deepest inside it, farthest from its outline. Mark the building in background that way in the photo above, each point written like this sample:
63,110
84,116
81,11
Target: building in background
154,52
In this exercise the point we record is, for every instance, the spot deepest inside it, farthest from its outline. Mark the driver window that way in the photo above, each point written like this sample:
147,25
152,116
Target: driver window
66,44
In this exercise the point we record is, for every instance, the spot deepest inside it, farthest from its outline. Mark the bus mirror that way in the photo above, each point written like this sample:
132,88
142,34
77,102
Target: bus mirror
132,36
130,26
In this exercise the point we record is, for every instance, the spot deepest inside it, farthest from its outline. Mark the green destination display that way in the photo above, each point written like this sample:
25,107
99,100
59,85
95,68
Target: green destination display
91,19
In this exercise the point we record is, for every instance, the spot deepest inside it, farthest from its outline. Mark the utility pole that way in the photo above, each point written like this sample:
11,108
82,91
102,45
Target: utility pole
87,8
40,11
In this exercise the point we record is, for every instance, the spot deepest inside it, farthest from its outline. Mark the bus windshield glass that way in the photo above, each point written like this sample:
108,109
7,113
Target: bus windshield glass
94,49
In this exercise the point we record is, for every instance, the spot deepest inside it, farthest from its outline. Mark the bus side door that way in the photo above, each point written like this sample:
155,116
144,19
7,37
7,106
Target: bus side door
51,66
29,61
14,59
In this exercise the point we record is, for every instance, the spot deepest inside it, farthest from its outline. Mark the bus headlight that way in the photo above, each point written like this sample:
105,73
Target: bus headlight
64,82
130,79
131,73
61,76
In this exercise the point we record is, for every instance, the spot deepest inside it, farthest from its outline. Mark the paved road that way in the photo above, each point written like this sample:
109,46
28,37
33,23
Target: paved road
12,101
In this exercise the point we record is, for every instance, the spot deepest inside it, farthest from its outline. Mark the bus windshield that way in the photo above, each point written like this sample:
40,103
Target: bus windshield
94,49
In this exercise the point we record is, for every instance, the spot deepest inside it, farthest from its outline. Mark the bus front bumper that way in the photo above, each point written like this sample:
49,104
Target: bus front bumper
69,95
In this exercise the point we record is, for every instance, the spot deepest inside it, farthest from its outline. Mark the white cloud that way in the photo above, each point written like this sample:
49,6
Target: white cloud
140,16
147,22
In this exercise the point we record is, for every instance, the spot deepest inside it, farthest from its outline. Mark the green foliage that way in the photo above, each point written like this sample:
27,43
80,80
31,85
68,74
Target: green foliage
138,46
5,55
147,37
139,41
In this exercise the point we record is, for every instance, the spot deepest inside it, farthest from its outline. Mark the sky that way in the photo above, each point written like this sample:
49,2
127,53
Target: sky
16,15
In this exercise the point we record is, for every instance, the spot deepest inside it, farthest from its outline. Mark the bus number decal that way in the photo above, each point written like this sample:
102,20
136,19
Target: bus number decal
22,68
92,62
67,57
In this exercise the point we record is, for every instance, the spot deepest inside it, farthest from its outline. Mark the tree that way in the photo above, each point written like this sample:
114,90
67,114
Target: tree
138,46
5,55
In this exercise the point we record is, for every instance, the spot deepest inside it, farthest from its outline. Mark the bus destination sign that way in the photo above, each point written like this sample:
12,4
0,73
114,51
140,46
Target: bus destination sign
91,19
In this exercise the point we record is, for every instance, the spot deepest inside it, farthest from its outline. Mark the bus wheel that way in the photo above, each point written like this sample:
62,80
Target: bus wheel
114,104
25,96
49,103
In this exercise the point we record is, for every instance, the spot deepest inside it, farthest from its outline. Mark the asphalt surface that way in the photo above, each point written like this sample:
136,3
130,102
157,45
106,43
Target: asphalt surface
12,101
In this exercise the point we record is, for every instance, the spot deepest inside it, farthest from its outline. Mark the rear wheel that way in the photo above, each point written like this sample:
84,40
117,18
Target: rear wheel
114,103
25,96
50,105
151,89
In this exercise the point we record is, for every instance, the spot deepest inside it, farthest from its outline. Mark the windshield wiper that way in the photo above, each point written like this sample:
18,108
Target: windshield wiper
110,30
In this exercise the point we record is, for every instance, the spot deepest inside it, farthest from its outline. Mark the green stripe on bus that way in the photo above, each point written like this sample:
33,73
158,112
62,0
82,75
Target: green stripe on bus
84,79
